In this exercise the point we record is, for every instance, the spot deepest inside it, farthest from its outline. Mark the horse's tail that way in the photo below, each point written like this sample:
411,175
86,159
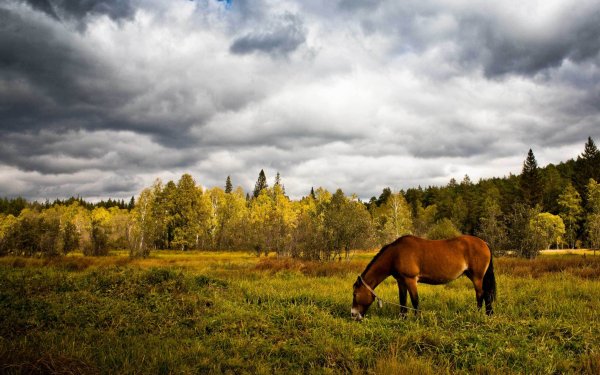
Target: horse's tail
489,282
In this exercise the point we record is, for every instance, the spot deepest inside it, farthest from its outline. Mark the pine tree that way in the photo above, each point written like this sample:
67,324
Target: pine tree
278,183
261,184
131,203
530,182
587,166
312,193
384,196
228,185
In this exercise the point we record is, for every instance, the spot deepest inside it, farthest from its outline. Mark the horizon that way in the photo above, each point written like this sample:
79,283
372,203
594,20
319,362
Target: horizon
250,189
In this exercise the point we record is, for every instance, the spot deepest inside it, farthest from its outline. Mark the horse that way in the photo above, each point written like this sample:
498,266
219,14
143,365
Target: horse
411,259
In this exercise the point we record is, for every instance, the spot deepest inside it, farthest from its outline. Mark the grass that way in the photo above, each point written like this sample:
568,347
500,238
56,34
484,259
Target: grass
209,312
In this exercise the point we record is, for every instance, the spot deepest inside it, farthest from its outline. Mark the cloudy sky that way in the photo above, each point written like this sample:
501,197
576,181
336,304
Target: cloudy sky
100,97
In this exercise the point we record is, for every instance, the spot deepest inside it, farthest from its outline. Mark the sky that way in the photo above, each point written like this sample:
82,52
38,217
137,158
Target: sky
98,98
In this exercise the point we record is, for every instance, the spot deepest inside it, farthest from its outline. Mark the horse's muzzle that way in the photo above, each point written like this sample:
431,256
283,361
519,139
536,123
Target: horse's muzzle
356,315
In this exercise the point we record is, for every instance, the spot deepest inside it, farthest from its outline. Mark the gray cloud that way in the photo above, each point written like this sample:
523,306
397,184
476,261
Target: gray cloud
502,52
497,38
60,9
279,39
98,98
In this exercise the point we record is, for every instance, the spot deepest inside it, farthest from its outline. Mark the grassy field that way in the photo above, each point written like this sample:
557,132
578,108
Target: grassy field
207,312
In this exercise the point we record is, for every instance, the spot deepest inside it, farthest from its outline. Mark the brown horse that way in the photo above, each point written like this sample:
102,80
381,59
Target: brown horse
411,259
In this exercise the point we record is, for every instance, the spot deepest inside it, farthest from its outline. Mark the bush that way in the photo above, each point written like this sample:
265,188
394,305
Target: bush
442,230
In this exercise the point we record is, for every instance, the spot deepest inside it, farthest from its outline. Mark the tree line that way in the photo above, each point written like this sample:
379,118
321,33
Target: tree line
551,207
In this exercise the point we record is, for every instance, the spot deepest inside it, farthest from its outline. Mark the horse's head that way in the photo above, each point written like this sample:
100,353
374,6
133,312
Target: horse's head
362,298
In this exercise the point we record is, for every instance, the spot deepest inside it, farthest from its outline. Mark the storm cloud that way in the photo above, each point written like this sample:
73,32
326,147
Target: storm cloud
60,9
279,39
100,97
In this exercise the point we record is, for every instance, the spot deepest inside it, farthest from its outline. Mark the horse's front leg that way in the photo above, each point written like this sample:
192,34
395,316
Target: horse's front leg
402,292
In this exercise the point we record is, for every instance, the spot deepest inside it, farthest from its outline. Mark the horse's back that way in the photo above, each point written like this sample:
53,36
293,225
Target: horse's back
440,261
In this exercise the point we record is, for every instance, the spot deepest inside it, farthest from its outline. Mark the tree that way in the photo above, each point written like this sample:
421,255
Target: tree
383,197
192,215
530,183
71,237
587,166
146,227
261,184
283,220
231,221
279,183
131,204
553,185
593,196
306,239
547,229
425,219
593,217
346,225
491,226
120,224
570,204
97,244
392,219
228,185
443,229
261,209
8,224
521,238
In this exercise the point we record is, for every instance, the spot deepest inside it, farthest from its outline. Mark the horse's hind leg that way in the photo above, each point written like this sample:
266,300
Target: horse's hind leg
411,285
478,285
402,292
488,306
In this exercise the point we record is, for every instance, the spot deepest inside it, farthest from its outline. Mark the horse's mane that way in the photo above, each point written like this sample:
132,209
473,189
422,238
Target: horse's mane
380,253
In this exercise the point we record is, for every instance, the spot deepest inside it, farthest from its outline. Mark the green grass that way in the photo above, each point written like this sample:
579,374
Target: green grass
232,313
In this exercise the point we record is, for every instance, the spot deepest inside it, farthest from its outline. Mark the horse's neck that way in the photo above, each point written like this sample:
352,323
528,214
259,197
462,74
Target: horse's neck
375,276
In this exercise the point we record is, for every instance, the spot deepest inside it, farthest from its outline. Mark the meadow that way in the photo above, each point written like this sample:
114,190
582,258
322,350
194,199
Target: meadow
218,312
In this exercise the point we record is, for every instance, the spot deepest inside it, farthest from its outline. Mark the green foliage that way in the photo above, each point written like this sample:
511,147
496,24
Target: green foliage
547,229
392,219
530,181
324,226
98,233
261,184
571,211
425,219
593,217
146,228
443,229
587,166
521,238
228,185
492,228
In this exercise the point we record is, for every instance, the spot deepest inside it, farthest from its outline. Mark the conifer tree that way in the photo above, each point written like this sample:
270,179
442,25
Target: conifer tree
530,181
131,204
228,185
261,184
278,183
587,166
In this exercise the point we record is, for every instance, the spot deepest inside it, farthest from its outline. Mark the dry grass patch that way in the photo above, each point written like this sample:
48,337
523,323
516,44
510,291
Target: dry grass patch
310,268
580,266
